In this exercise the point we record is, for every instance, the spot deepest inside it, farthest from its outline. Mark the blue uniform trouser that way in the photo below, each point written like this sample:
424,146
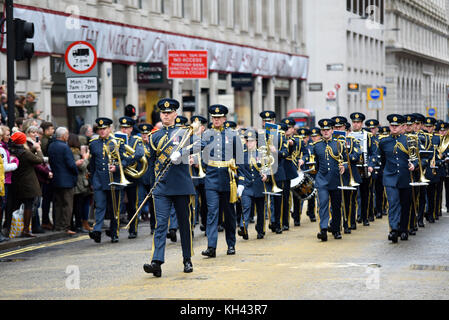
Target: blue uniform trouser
398,213
216,201
173,219
163,205
285,218
278,207
103,203
248,207
323,199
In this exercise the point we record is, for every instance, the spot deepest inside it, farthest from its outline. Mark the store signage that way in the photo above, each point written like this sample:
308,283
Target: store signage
242,80
150,72
315,87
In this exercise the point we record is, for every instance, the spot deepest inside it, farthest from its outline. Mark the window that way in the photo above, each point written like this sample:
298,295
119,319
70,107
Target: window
23,69
162,6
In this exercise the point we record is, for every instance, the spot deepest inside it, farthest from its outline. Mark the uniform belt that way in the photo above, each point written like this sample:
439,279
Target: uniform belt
219,164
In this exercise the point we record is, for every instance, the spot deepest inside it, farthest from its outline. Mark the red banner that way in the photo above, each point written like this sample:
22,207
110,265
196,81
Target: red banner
187,64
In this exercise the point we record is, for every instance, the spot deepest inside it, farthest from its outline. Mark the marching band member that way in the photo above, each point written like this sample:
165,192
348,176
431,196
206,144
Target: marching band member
103,171
431,171
173,185
330,165
132,190
376,185
278,148
222,153
201,202
253,182
291,171
315,136
349,197
366,172
145,132
301,141
396,157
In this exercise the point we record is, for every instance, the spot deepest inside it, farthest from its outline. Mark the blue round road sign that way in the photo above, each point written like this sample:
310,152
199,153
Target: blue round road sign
432,112
375,94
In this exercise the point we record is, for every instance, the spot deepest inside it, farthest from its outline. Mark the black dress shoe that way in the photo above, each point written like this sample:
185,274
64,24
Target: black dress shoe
347,231
260,236
322,235
220,228
114,238
371,218
285,228
231,251
278,231
353,227
412,232
154,268
379,215
188,266
366,223
337,235
404,236
210,252
393,236
242,233
132,235
95,235
297,224
359,220
108,233
421,224
172,235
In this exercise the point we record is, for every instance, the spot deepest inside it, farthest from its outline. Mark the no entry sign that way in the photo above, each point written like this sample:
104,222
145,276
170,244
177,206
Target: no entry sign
187,64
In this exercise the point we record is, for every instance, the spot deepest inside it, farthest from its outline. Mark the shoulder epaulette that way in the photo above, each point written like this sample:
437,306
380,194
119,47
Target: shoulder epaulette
314,143
94,139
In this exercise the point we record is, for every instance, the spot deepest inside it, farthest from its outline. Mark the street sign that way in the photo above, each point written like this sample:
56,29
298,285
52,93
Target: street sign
81,57
353,87
431,112
331,95
187,64
375,98
81,84
315,87
150,72
335,67
82,99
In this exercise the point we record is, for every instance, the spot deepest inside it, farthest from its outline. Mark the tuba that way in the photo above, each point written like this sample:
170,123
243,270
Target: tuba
265,168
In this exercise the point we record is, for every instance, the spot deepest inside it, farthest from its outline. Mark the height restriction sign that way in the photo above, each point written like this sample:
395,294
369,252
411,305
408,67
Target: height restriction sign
80,58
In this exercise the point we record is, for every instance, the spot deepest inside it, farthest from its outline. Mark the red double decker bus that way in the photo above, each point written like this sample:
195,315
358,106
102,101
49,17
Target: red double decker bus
303,117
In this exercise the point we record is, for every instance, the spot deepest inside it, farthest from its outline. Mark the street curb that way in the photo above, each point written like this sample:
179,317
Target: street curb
21,242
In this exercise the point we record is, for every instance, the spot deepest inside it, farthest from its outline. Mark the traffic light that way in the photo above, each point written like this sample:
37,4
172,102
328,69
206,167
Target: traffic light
23,31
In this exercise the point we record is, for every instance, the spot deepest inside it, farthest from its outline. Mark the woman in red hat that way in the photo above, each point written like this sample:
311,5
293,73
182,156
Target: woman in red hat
25,185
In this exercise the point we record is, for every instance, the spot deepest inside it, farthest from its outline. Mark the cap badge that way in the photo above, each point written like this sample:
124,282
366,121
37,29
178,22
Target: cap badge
325,123
395,119
178,120
217,110
101,122
337,120
357,116
167,104
145,127
124,121
267,114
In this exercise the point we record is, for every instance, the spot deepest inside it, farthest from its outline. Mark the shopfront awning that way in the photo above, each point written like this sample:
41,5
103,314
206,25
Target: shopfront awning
125,43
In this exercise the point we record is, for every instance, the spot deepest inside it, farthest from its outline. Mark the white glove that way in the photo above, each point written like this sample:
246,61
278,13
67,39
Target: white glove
240,189
176,157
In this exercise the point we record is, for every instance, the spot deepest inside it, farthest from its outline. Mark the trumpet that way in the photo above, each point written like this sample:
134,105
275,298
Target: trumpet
201,173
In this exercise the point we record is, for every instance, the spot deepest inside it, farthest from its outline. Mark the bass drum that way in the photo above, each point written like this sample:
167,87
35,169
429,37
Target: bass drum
303,187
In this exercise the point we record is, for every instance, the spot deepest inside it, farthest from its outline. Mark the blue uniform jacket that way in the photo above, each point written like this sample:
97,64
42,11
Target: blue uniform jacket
395,173
65,172
177,180
254,187
328,175
220,145
99,163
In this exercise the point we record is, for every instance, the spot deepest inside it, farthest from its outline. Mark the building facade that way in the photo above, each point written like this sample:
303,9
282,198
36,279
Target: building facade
345,43
262,40
417,56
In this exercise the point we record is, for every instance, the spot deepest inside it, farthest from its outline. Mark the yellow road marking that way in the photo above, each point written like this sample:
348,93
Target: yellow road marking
32,248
